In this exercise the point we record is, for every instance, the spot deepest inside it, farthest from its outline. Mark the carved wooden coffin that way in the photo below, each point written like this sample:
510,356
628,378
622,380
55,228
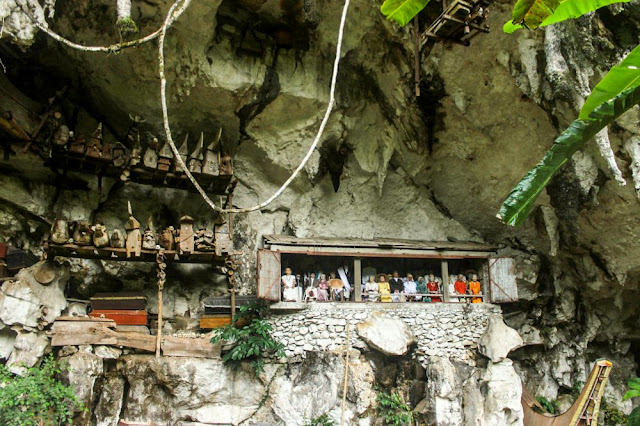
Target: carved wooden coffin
94,144
78,145
214,321
118,301
186,237
122,317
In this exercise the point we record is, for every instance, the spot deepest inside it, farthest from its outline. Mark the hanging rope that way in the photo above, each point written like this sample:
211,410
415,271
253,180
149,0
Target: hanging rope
178,158
173,14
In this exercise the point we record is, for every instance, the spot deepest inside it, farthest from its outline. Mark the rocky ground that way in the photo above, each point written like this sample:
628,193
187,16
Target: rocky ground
432,168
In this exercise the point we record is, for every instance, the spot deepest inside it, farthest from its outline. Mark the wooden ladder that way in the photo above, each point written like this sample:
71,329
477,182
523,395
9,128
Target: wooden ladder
589,413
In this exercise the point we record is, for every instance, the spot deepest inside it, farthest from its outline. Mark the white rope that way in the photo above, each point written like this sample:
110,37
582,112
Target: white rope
325,119
109,49
173,14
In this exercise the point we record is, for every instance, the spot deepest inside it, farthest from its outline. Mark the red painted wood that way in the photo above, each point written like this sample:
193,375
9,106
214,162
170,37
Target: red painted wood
122,317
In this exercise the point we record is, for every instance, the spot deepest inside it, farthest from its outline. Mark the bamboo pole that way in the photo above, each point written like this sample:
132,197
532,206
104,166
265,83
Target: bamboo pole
346,373
162,277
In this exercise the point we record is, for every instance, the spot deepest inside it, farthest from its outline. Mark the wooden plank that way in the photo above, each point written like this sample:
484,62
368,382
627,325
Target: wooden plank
502,280
85,319
269,274
100,335
140,329
198,348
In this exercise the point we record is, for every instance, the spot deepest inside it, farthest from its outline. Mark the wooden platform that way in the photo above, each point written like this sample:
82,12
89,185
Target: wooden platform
460,21
213,184
113,253
77,331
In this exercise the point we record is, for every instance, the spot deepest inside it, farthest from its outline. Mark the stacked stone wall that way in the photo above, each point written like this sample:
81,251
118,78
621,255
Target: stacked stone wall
449,330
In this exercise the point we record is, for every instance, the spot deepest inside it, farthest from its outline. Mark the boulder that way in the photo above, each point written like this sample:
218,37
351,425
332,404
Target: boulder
28,349
502,405
387,335
498,339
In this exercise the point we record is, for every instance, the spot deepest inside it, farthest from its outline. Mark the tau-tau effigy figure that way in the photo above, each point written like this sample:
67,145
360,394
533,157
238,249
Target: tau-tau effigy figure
100,235
460,287
167,238
384,289
60,232
117,239
475,289
82,233
371,289
134,236
149,237
289,293
323,289
433,287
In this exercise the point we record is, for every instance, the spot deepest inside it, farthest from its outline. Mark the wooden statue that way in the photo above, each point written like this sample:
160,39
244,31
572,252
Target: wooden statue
94,145
83,233
186,235
119,155
166,238
210,165
61,136
133,242
100,235
149,237
117,239
226,165
60,232
224,244
183,151
196,158
150,159
165,157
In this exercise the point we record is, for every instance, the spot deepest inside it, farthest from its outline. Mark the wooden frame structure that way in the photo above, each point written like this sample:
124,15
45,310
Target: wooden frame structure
500,282
460,21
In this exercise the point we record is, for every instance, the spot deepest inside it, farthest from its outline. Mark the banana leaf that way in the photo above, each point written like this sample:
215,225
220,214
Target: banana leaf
634,417
623,76
402,11
540,13
518,205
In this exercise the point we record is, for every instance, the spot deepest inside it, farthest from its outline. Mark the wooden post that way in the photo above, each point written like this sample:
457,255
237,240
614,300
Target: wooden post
346,373
357,278
416,53
162,278
444,270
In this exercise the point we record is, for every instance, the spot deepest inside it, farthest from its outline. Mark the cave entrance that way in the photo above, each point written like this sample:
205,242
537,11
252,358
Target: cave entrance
353,261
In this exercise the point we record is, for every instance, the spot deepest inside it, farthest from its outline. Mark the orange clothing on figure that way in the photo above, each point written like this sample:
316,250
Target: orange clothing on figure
432,286
474,287
460,287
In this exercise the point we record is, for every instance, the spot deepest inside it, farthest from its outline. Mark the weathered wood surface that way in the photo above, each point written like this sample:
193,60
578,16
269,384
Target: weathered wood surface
142,329
208,323
75,331
502,277
198,348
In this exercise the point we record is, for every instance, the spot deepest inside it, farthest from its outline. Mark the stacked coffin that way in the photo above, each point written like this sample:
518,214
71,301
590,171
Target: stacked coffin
217,310
125,308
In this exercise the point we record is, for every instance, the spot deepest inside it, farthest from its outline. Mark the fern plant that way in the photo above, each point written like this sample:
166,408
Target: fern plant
393,410
251,342
323,420
634,392
37,397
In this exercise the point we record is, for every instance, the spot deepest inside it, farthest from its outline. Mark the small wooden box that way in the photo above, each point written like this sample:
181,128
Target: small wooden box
122,317
3,250
118,301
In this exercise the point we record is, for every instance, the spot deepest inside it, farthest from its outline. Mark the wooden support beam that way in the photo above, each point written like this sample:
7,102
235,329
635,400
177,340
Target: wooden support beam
416,53
357,278
444,270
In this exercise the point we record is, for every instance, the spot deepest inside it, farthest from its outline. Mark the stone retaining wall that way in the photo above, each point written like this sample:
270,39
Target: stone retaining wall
449,330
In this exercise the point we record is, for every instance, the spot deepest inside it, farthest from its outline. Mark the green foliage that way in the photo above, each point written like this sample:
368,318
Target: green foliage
37,398
520,201
621,77
402,11
634,389
539,13
250,342
634,417
127,27
577,388
550,406
322,420
393,409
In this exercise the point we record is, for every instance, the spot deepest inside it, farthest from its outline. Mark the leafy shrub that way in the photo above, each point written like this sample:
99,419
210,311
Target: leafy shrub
250,342
323,420
37,398
550,406
393,409
634,392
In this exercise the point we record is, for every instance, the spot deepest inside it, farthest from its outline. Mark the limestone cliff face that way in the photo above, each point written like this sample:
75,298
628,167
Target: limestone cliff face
389,165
